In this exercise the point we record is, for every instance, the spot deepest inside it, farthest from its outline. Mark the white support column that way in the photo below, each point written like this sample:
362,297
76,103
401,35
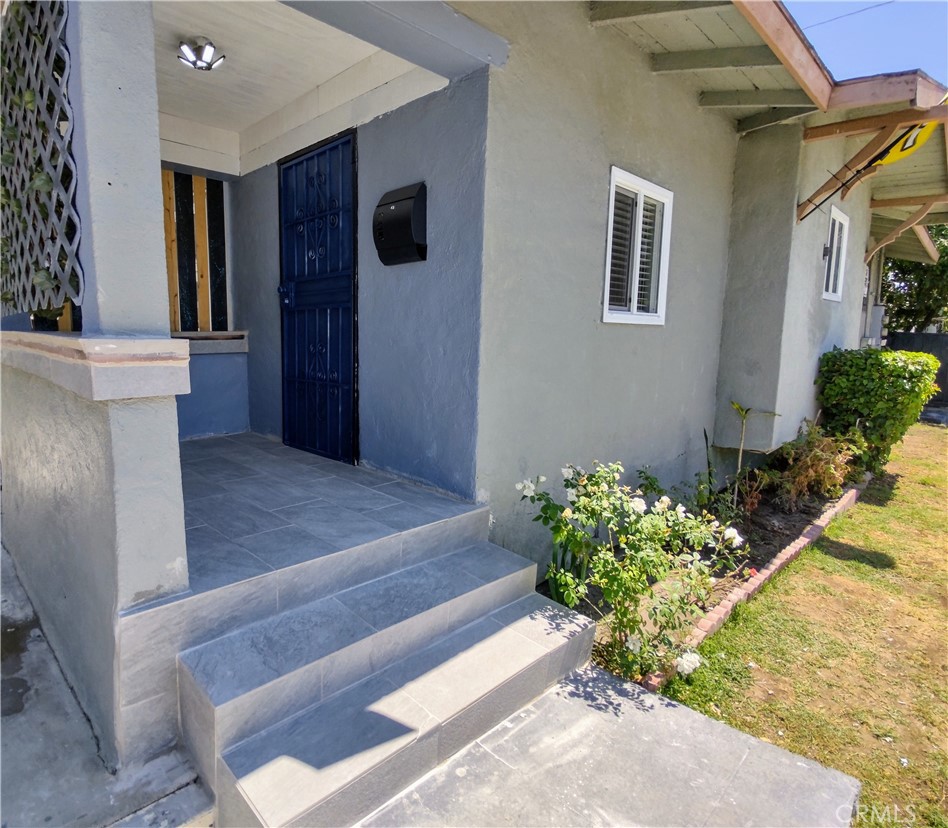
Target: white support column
114,98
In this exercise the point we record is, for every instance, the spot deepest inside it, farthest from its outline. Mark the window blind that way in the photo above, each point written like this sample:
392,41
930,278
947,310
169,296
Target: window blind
623,240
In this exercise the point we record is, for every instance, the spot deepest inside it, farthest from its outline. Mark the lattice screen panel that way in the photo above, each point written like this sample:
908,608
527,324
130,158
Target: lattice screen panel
38,218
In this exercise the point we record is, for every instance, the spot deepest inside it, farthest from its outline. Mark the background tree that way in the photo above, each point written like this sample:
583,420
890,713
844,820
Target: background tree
916,294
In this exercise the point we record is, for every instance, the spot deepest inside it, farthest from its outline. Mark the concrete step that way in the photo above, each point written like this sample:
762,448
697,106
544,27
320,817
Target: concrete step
239,684
152,635
337,761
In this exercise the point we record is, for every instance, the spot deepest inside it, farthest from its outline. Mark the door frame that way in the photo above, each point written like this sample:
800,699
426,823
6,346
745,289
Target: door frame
351,132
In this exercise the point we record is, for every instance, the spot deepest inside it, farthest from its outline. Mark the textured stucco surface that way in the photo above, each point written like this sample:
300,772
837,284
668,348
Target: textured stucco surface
118,165
777,323
557,384
813,325
218,402
762,219
419,322
93,517
255,277
60,531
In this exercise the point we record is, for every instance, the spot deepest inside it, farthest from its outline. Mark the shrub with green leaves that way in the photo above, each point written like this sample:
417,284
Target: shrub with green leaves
652,563
880,392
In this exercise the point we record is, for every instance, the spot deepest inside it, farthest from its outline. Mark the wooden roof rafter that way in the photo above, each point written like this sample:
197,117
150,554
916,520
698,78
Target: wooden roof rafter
911,222
873,123
889,128
614,11
847,174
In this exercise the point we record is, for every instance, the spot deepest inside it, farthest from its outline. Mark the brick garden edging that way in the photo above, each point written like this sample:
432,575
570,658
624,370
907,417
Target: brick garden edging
715,619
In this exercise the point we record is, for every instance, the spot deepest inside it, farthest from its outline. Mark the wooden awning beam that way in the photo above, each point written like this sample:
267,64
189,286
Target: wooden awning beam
908,201
862,175
844,175
607,13
911,221
927,242
756,97
700,60
860,126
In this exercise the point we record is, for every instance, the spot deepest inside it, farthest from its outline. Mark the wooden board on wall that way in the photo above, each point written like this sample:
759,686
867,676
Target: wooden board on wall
201,251
171,248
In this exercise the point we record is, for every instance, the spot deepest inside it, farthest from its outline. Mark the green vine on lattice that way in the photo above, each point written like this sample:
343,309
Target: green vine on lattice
25,148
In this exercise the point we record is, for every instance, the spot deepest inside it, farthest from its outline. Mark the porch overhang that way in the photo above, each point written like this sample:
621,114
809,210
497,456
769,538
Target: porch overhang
298,72
754,64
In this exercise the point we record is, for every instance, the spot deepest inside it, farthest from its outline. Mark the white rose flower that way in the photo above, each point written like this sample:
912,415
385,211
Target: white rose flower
542,479
639,505
519,487
680,509
634,643
567,473
571,495
688,662
662,504
733,537
529,489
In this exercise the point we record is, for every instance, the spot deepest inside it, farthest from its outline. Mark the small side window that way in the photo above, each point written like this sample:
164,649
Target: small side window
637,250
835,255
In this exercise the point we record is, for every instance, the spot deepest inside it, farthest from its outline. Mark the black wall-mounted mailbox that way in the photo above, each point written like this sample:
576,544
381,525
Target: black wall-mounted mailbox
399,225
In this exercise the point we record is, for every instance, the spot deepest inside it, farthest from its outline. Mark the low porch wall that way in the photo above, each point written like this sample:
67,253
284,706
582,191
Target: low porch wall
93,514
219,399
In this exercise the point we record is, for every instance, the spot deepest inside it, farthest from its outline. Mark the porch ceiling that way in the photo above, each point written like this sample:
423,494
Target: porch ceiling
275,54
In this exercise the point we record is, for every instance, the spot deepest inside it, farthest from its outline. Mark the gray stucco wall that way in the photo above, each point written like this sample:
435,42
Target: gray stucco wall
255,277
56,483
777,323
813,325
419,323
762,219
88,487
556,383
218,402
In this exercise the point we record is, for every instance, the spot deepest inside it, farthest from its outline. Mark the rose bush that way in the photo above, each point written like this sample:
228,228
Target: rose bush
652,564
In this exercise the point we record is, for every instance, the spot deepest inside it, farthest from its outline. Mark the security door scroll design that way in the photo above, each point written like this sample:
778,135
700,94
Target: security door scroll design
317,301
38,218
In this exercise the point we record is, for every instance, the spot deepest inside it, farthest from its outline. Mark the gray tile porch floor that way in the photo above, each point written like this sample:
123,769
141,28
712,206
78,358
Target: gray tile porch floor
253,505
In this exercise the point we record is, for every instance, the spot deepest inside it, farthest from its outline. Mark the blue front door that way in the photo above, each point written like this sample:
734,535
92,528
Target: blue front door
317,292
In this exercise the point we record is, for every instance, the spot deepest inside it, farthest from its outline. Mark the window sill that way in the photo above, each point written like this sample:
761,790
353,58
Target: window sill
620,318
214,342
829,297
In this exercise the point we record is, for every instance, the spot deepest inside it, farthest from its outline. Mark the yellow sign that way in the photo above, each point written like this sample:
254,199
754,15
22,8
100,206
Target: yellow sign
911,141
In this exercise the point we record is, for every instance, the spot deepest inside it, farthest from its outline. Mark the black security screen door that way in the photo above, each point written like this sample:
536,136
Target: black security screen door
316,294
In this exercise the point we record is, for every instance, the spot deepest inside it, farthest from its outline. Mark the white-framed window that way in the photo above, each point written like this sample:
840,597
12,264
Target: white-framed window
640,215
834,255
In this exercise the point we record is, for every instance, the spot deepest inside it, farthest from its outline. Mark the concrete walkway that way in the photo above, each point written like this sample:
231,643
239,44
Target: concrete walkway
597,751
592,751
51,773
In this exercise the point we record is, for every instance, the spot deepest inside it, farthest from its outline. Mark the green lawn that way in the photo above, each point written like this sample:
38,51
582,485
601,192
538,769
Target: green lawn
843,657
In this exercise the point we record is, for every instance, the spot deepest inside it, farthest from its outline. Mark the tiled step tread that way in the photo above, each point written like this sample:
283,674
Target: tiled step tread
411,716
259,653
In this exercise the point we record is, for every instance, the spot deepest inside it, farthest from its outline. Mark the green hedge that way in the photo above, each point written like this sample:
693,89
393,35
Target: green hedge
880,392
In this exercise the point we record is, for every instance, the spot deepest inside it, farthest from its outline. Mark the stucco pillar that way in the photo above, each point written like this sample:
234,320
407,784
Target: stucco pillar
114,98
92,474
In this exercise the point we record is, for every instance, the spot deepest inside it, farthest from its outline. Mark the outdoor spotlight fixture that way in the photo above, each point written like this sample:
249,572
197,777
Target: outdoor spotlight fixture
199,54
